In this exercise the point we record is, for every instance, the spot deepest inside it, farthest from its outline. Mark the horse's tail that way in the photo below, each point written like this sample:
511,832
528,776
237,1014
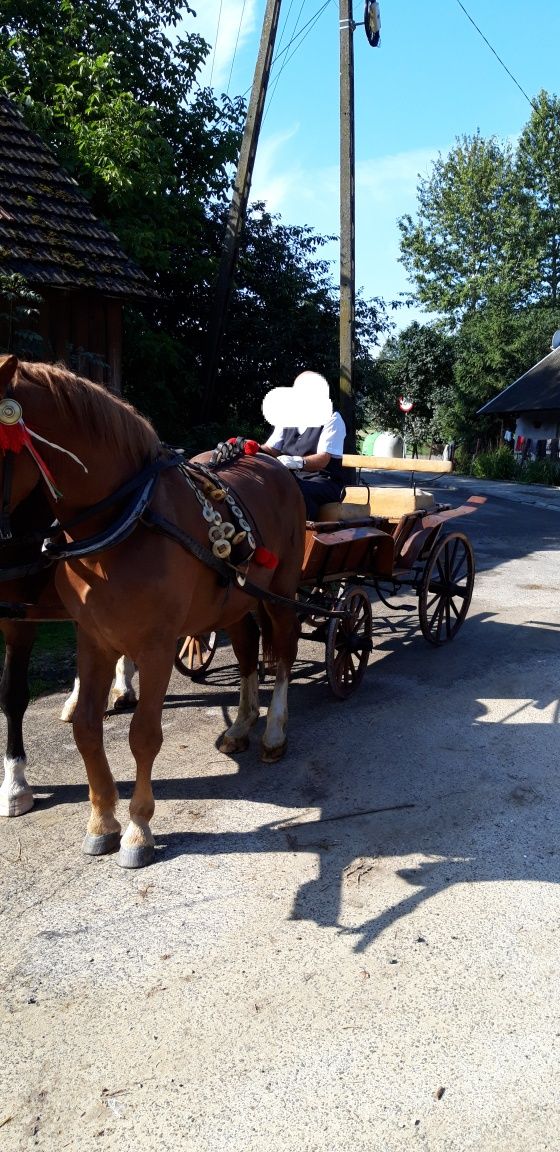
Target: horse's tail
267,635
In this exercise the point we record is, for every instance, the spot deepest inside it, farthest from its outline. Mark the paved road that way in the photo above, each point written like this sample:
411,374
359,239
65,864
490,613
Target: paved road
297,970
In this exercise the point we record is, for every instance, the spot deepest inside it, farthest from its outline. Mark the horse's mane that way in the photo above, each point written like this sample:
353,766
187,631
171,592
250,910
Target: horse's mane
115,422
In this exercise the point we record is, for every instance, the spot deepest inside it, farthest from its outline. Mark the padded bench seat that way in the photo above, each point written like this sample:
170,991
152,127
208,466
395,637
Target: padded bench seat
384,501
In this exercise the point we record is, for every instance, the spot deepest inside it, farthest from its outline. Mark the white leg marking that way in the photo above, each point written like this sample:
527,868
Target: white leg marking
69,706
122,692
137,835
277,715
248,711
16,796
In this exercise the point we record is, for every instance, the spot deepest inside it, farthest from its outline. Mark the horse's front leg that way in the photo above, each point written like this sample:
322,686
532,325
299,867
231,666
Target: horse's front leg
16,796
245,639
95,668
154,669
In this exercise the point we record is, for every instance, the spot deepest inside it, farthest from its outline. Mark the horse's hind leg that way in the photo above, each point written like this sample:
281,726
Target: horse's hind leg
245,639
145,739
16,796
95,667
122,693
280,628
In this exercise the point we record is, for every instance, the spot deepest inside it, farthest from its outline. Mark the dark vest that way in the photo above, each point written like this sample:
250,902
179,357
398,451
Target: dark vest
296,443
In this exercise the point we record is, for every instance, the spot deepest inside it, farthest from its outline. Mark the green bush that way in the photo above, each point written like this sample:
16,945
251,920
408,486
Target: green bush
540,472
497,465
462,460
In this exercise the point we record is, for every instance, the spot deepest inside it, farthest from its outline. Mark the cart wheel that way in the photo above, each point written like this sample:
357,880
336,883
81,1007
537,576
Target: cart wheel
195,654
349,643
446,588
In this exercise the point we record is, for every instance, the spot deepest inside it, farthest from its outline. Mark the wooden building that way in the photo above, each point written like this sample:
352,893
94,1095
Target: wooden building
533,401
50,237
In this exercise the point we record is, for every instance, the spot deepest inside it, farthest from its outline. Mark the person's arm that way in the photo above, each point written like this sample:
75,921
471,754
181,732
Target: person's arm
316,462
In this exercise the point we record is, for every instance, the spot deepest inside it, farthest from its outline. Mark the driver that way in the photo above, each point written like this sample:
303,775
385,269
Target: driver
308,438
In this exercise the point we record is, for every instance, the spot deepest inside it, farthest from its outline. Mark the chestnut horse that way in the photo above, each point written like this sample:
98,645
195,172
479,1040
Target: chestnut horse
137,591
30,523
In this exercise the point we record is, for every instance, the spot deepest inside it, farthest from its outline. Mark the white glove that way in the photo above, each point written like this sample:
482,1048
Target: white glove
293,462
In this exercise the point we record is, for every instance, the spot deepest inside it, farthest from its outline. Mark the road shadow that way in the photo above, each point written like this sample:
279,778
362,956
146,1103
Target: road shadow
383,780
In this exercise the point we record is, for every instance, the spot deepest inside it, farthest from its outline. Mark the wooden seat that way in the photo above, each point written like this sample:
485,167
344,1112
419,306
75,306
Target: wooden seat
368,501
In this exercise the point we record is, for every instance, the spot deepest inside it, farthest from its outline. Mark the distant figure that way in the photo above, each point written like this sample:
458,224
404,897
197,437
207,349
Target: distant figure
414,449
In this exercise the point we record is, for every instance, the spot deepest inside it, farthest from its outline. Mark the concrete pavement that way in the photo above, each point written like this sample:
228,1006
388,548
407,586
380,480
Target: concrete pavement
355,950
540,495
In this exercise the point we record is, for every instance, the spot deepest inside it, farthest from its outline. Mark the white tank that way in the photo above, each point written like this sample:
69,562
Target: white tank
387,444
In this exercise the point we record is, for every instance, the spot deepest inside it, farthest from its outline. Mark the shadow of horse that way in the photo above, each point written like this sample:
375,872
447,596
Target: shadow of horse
467,791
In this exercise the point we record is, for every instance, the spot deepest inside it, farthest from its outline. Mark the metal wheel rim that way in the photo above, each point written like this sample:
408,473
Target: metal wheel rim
349,644
195,653
446,590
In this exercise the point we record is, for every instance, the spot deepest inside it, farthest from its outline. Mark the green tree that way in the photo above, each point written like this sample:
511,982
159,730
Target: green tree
493,349
538,167
284,317
417,365
463,249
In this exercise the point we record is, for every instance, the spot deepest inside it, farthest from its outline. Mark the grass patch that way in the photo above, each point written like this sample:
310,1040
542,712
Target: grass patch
53,659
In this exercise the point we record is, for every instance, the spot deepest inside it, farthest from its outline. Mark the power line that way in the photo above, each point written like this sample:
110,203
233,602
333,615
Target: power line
285,25
236,44
309,26
498,58
312,20
216,41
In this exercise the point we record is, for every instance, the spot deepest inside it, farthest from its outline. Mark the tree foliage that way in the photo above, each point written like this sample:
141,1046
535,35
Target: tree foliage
483,253
416,365
111,86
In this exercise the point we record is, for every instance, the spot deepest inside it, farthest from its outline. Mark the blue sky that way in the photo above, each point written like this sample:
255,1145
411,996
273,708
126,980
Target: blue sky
431,80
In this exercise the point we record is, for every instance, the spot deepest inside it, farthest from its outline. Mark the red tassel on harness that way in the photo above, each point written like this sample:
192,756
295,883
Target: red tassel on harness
13,437
250,447
265,558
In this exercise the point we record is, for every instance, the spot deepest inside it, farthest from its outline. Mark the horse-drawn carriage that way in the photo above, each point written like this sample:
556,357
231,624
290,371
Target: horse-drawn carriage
379,539
141,550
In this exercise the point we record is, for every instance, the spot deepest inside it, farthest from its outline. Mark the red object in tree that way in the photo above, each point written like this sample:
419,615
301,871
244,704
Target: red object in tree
405,405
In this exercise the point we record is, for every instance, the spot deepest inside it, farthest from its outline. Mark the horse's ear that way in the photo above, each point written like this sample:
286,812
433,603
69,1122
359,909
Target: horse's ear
8,365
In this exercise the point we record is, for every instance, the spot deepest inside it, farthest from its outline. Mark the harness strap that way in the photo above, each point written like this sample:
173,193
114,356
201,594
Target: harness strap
160,524
20,571
151,468
5,526
110,537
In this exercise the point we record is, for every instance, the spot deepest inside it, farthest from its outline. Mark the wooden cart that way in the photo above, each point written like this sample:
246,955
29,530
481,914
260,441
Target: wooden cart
378,539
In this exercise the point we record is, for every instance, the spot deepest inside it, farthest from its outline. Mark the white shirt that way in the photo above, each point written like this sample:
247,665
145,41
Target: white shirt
331,439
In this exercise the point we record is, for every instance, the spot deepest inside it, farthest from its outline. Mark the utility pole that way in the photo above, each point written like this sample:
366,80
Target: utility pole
238,208
347,222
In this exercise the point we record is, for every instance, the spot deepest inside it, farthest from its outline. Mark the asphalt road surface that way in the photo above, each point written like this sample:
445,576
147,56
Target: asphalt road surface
355,950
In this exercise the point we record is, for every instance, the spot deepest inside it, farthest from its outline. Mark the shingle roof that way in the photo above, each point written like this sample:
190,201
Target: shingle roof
48,232
537,390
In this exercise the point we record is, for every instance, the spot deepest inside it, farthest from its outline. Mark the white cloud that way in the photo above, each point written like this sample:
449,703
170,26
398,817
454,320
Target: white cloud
222,30
385,190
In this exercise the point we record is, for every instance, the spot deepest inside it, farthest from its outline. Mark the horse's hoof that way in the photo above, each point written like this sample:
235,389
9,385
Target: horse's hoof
230,747
101,845
125,703
138,856
271,755
16,805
